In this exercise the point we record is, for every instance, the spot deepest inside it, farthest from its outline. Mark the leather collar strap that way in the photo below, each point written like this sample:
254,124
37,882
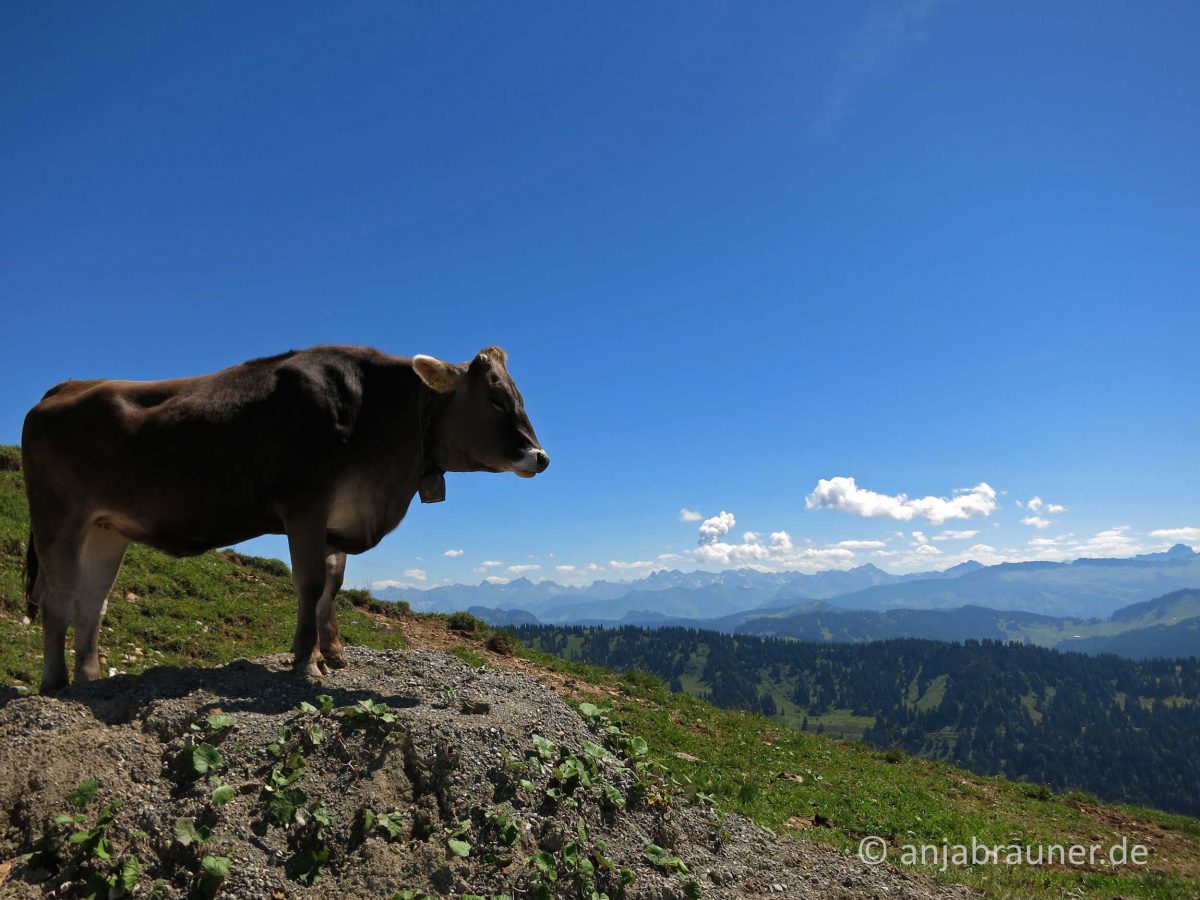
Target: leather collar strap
431,485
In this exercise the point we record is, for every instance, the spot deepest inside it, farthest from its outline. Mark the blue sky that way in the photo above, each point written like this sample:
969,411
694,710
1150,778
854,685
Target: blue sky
732,250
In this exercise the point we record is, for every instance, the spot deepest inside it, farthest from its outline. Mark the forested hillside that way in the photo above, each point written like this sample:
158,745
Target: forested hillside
1121,729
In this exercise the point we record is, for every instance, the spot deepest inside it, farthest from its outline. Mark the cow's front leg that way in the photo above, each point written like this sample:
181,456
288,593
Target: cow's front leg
306,541
327,626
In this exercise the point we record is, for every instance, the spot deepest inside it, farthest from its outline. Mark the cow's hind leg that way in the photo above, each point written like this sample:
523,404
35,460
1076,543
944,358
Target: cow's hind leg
59,547
306,541
99,563
327,627
52,596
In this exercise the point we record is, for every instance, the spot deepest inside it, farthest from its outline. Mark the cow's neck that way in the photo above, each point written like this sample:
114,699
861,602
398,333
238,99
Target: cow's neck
431,483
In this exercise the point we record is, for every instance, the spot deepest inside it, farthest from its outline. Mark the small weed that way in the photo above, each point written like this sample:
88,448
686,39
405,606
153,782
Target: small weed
464,623
214,870
469,656
87,853
657,856
311,845
456,842
187,833
391,823
501,642
286,805
370,711
1037,792
205,758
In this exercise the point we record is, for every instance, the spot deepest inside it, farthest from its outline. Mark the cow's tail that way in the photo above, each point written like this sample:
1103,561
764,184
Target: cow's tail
31,576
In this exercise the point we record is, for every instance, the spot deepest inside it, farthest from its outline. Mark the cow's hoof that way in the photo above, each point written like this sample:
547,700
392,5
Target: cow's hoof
335,659
309,669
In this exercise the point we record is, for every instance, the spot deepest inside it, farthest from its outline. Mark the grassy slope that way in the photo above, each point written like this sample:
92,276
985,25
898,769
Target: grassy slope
741,758
216,607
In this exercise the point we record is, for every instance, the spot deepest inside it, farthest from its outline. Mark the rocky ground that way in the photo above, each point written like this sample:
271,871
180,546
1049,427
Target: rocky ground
414,772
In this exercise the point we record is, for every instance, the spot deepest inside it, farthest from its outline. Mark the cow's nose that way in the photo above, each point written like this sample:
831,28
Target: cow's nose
543,459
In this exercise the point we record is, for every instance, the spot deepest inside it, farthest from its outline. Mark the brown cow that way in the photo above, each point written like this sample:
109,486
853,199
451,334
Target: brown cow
327,445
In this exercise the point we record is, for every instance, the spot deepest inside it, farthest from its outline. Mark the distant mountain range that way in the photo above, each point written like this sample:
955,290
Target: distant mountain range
1088,604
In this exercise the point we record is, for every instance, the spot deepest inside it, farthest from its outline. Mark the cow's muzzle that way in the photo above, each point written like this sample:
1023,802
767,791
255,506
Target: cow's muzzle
534,461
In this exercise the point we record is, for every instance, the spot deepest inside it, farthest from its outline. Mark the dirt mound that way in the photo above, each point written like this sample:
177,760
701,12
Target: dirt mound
408,772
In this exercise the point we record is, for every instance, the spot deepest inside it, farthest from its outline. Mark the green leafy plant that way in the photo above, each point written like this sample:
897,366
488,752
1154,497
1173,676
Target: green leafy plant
323,704
188,833
88,850
455,841
391,823
84,794
657,856
214,870
311,845
369,711
205,758
285,805
504,825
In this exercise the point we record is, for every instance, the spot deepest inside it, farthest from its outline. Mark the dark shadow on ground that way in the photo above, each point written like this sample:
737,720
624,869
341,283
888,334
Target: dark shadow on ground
242,686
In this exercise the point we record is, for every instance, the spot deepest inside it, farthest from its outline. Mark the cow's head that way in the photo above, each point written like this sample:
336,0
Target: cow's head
480,416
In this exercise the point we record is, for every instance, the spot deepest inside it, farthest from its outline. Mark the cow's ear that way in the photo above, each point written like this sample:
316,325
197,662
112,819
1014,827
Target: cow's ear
442,377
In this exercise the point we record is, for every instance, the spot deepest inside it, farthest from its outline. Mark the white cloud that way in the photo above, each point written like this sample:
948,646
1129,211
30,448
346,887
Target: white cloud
690,515
388,583
762,551
844,494
418,574
927,550
496,579
1115,541
520,570
781,540
668,557
1036,521
860,545
453,553
955,535
566,570
720,524
776,552
621,566
491,563
981,549
1048,543
1187,535
1037,504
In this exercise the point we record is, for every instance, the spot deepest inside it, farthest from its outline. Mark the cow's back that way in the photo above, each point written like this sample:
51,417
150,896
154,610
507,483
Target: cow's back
197,450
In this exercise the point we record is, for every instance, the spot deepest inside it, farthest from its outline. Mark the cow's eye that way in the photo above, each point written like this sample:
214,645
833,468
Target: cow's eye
498,404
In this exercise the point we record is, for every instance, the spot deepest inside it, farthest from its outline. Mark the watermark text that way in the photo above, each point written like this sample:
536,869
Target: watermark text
874,850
